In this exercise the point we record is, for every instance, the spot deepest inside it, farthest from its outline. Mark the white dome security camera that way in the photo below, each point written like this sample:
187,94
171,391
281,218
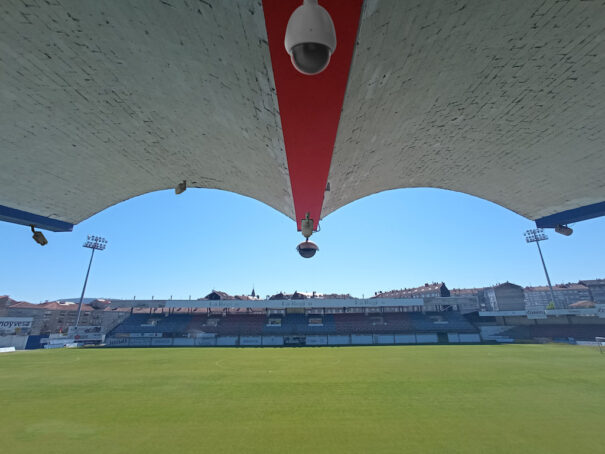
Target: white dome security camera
310,38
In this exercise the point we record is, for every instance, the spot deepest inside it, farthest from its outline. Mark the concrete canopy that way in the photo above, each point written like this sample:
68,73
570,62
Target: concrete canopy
504,100
106,100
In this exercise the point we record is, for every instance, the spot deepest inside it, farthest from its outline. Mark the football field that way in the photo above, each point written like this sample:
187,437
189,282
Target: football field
408,399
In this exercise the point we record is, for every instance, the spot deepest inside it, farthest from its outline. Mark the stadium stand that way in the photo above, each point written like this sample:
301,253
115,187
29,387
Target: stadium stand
299,324
442,322
578,332
373,323
154,323
256,329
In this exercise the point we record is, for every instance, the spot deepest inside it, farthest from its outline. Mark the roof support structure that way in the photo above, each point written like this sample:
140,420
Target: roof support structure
24,218
575,215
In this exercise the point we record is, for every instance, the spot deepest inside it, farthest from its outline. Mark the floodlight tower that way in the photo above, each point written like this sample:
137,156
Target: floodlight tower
95,243
535,236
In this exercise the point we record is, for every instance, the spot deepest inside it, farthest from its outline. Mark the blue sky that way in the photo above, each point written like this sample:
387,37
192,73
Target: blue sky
164,245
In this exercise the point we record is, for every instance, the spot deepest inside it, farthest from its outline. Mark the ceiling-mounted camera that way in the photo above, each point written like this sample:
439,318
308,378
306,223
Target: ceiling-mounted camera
310,38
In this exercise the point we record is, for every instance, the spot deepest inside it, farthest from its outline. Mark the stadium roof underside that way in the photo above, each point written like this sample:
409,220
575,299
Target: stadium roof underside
106,100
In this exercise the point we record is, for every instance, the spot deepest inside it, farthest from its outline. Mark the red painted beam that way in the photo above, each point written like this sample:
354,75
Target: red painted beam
310,106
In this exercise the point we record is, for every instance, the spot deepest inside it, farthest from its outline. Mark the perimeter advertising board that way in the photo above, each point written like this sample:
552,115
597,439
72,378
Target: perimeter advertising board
86,333
537,312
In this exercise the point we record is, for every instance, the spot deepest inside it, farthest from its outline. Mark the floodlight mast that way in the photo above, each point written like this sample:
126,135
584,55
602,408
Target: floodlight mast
535,236
95,243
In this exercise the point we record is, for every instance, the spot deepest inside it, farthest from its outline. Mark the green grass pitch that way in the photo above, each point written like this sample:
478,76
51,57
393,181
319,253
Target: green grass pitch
416,399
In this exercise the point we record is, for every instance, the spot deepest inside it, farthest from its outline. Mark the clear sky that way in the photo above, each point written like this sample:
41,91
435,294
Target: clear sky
164,245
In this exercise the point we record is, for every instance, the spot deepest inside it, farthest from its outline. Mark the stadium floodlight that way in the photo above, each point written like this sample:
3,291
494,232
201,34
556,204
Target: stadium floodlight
39,237
96,243
181,187
535,236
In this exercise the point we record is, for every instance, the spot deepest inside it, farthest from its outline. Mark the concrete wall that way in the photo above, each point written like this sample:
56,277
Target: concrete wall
562,320
226,340
273,340
470,338
117,341
587,321
384,339
13,340
317,339
362,339
205,341
250,340
429,338
453,338
161,342
139,341
183,342
405,338
339,340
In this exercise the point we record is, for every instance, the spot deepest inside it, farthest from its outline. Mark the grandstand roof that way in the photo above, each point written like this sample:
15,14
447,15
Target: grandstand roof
101,103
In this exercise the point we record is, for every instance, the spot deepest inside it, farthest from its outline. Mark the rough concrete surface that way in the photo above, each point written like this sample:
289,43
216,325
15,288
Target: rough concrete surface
504,100
104,100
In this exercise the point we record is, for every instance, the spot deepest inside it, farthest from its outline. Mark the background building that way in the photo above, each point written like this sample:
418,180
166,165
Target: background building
504,297
596,287
436,289
57,316
565,294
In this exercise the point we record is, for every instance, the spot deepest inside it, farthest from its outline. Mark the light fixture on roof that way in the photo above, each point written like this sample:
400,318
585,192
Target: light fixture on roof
39,237
564,230
181,187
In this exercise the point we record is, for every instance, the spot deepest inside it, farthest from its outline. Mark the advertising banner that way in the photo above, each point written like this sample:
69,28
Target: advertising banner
15,325
538,312
85,333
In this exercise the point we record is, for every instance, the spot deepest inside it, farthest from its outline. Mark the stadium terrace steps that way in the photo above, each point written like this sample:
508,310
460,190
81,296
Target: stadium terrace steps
153,323
241,324
179,325
441,322
300,324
